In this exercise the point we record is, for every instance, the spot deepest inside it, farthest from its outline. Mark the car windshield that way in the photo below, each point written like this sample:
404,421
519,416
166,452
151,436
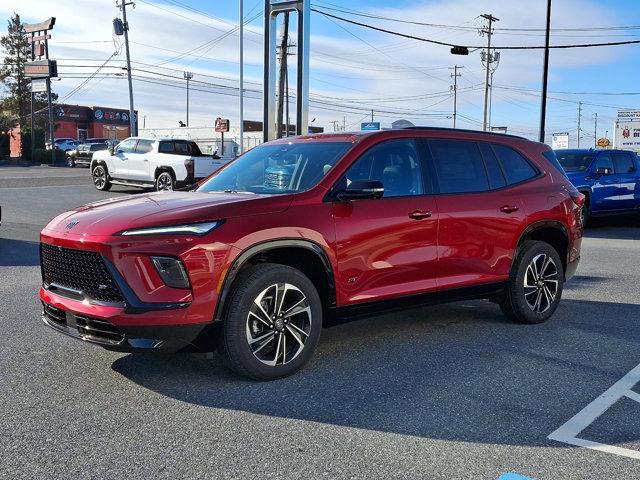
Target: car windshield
279,168
574,161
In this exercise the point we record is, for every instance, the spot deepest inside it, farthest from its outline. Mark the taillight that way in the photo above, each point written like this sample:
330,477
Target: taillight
578,198
188,164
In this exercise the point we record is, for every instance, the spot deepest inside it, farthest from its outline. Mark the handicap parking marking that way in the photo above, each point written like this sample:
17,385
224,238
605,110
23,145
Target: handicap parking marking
569,432
513,476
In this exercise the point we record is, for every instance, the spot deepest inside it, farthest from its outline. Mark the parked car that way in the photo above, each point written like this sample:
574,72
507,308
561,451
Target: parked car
64,144
301,232
83,154
609,179
163,164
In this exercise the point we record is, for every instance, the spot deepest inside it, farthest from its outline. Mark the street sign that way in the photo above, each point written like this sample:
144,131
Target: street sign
222,125
370,126
560,141
41,69
39,85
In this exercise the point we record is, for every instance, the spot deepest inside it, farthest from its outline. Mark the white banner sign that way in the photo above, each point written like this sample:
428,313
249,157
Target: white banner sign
560,141
629,115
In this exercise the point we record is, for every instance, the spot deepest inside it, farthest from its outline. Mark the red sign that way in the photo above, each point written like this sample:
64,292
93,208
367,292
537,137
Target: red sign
222,125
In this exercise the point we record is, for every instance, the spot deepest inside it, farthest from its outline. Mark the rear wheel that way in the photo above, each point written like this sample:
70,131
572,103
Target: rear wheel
101,178
165,182
273,322
535,286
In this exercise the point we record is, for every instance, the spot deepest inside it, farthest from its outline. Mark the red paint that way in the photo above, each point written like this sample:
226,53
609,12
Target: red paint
376,249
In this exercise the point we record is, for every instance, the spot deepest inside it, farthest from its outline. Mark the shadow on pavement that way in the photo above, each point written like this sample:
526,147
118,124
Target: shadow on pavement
456,372
19,253
624,227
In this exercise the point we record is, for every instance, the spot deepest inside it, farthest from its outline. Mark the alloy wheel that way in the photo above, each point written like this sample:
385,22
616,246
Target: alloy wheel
541,283
165,182
278,324
99,177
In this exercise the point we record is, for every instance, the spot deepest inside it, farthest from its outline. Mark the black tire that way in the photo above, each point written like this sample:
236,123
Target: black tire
240,324
100,176
71,163
165,182
520,302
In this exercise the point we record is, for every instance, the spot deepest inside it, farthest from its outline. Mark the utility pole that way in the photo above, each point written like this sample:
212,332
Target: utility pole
489,31
344,123
372,115
241,76
595,129
187,76
284,41
335,125
132,120
545,76
579,120
454,87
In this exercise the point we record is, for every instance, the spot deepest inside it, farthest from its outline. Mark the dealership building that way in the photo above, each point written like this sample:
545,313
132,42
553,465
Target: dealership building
79,122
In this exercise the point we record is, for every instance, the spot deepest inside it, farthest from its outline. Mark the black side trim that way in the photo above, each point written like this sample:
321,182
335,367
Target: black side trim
354,312
270,245
134,304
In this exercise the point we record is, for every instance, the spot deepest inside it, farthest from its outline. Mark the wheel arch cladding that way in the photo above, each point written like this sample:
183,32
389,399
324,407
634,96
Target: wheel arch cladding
163,169
303,255
551,232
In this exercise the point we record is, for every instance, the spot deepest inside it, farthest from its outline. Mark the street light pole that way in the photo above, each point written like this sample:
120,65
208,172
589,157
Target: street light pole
241,15
489,31
188,76
545,75
132,120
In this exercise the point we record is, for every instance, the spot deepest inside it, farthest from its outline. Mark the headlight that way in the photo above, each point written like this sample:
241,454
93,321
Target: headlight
172,271
190,229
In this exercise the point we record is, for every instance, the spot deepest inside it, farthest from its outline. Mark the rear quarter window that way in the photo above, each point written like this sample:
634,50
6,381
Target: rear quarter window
459,166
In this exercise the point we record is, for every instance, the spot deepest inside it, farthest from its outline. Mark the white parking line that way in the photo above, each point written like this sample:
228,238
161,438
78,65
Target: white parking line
569,432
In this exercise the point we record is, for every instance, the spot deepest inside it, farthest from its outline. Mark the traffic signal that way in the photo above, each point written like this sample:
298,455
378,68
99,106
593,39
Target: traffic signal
459,51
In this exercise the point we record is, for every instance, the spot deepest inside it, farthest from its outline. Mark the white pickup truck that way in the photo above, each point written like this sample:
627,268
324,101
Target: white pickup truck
160,163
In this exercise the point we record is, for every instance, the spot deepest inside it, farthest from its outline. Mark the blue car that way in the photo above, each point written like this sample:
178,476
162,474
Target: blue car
610,179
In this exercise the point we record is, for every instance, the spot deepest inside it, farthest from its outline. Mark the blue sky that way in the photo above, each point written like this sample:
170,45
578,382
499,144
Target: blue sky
353,69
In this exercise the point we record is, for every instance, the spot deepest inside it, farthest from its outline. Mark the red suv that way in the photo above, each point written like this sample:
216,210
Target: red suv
300,232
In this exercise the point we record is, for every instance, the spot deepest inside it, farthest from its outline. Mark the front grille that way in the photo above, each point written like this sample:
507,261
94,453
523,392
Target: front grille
87,328
78,270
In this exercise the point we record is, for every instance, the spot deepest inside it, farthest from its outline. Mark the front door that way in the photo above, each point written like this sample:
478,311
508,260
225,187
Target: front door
119,162
386,247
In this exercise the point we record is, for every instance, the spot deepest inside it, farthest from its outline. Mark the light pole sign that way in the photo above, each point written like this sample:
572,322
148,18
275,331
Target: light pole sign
370,126
221,126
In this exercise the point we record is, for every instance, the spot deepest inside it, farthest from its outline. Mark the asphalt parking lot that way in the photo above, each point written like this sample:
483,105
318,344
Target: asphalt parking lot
453,391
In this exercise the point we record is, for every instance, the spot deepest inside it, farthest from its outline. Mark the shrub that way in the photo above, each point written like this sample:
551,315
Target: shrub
41,155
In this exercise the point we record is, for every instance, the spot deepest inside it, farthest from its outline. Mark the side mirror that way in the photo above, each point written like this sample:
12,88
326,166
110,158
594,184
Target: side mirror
361,190
110,148
600,171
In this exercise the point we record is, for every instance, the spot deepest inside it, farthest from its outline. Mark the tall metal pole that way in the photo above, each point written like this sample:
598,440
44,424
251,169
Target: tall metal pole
132,120
595,129
455,76
579,120
187,76
33,140
284,51
489,31
53,145
241,101
545,75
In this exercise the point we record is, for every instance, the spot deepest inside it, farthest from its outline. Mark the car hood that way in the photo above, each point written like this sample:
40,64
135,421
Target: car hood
110,216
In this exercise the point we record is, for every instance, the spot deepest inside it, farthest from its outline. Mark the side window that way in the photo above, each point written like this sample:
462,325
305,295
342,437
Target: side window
623,163
496,176
395,163
181,148
165,147
127,146
144,146
516,167
459,166
604,161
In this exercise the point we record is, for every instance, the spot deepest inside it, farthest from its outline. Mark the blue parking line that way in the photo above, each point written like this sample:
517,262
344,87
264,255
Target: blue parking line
513,476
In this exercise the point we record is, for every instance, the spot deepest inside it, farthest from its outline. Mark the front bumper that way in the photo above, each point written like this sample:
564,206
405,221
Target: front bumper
174,338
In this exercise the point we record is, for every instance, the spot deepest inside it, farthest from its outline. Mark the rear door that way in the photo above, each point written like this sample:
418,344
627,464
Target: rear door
387,247
627,174
480,214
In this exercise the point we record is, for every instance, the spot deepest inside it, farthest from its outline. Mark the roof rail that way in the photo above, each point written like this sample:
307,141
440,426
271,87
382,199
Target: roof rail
448,129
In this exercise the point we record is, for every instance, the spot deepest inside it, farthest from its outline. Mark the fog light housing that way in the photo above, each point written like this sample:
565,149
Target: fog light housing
172,272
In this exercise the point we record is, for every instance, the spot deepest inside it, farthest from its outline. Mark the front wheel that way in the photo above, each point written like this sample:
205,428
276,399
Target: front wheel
272,323
535,285
101,178
71,162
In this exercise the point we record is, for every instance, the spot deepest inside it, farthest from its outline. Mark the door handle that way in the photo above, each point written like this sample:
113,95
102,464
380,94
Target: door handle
509,208
145,160
419,215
